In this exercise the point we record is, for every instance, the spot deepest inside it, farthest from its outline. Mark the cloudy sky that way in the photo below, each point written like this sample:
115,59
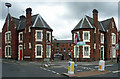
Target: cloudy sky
62,16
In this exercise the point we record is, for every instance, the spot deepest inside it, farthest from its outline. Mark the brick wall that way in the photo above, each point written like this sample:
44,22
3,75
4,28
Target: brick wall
13,43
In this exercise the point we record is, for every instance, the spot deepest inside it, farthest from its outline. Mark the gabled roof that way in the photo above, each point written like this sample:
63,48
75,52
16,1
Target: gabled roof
87,22
36,20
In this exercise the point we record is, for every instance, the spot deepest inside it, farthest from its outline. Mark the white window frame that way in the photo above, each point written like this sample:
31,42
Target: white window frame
9,41
94,45
36,50
75,52
113,41
102,38
9,56
19,37
88,36
41,35
49,51
113,52
49,35
88,50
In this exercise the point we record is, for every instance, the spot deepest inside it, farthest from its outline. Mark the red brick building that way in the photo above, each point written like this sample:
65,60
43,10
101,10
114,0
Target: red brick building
28,37
97,36
62,47
119,42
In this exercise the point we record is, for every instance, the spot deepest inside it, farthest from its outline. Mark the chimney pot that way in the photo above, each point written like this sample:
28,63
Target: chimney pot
28,10
95,11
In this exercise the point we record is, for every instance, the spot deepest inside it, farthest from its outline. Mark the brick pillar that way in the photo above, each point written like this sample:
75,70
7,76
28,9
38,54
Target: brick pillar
95,23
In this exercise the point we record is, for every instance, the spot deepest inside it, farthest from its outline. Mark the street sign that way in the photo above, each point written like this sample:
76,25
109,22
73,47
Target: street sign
48,43
81,43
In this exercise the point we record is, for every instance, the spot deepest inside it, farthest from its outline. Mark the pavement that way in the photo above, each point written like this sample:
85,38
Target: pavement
86,74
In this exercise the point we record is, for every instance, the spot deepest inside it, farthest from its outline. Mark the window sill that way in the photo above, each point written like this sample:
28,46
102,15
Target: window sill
86,40
86,57
38,57
8,56
38,40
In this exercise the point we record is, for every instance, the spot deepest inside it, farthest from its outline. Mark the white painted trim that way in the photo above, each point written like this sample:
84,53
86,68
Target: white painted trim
102,42
19,37
88,22
103,52
29,29
35,21
10,51
88,36
82,22
102,26
49,34
8,37
29,45
89,51
94,45
19,52
36,35
112,38
36,50
41,20
75,52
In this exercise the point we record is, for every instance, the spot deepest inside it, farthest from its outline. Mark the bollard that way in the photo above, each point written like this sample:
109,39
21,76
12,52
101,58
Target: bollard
71,67
101,65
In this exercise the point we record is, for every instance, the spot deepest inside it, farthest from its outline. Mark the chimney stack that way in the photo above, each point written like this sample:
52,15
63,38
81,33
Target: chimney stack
28,16
95,24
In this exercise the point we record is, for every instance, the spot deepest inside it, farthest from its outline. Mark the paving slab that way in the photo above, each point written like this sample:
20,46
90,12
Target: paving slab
85,74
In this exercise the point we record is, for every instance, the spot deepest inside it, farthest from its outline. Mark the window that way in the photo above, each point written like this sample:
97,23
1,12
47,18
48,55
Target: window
69,49
61,49
113,38
8,51
102,38
20,36
48,51
75,40
38,51
86,51
48,36
86,36
53,49
113,52
62,45
8,37
76,51
39,35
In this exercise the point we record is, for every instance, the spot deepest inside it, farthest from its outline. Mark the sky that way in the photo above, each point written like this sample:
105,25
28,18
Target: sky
62,16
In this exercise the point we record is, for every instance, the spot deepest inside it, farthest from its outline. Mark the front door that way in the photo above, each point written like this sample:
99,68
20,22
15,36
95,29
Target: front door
102,50
20,52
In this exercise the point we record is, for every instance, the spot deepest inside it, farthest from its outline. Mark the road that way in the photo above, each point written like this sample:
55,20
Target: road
32,69
15,70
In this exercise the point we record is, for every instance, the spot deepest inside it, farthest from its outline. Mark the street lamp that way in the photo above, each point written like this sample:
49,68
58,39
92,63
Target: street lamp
8,5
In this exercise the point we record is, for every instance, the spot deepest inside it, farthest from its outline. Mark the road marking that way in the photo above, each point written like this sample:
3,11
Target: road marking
48,70
115,71
79,70
53,72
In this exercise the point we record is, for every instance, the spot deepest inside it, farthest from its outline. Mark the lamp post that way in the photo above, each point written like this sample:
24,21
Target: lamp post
8,5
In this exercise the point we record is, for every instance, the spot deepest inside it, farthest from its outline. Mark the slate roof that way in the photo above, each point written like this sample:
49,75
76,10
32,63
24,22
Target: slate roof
39,22
87,23
62,41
